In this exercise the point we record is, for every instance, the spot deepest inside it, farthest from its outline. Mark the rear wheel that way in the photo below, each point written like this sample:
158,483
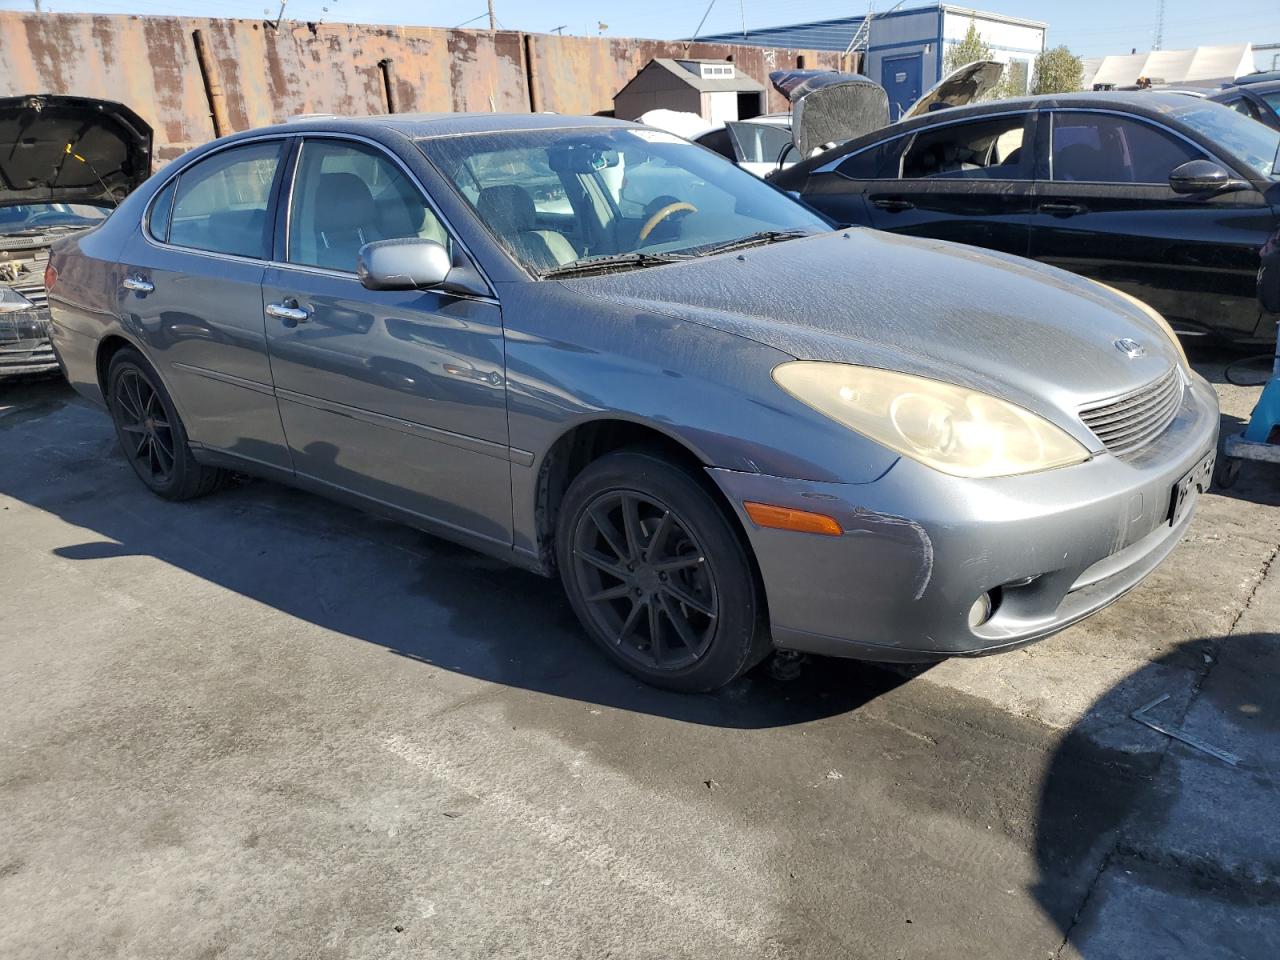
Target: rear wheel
658,575
151,433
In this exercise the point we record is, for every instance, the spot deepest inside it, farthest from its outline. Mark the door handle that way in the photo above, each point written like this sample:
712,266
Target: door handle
894,206
289,312
138,284
1062,209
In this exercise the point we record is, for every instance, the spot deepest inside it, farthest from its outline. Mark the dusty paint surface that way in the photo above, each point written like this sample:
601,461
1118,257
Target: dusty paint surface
269,73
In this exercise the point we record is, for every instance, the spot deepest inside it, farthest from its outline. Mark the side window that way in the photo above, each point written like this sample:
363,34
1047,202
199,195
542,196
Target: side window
1241,105
982,150
1104,148
762,142
346,195
221,203
881,162
718,140
161,207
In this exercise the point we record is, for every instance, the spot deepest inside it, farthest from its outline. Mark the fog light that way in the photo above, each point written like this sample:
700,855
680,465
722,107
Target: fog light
980,612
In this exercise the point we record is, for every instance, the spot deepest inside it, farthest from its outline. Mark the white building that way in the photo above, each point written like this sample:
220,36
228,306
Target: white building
905,50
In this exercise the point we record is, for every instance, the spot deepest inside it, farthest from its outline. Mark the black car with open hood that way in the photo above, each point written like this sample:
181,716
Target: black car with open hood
65,163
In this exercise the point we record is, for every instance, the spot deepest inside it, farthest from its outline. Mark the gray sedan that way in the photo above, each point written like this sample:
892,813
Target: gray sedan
608,355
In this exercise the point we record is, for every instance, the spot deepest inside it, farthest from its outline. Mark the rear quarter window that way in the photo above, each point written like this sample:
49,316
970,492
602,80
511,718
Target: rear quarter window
161,207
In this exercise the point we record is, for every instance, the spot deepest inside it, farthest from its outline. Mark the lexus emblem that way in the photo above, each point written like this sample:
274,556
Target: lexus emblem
1131,348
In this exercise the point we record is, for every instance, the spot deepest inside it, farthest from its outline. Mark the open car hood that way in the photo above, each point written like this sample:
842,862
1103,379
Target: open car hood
963,85
828,106
56,149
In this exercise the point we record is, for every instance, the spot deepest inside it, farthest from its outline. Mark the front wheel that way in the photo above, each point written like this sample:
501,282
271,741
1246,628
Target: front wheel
658,574
150,432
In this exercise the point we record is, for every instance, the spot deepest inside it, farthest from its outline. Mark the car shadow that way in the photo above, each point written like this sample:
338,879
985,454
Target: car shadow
372,579
1143,845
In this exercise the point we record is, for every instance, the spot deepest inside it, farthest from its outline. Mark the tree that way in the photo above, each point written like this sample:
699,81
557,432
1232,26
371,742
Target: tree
1057,71
1013,83
971,48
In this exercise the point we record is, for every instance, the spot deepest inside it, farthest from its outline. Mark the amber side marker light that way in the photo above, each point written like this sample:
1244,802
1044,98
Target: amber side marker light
785,518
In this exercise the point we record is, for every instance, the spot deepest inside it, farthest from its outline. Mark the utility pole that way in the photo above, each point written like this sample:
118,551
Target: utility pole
37,3
1157,42
493,21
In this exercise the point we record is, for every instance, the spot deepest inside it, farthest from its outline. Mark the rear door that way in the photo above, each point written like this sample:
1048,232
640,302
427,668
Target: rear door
1104,209
398,397
192,288
968,181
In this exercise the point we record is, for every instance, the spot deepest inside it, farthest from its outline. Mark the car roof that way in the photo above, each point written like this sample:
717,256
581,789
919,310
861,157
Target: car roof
1257,86
419,126
1152,104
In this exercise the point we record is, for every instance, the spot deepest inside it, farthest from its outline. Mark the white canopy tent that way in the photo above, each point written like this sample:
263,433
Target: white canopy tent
1201,66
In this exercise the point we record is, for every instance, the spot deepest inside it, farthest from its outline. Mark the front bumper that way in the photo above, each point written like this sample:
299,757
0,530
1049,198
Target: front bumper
919,547
24,343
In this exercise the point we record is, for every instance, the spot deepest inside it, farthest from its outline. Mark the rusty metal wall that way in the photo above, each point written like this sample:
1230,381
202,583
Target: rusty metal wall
267,73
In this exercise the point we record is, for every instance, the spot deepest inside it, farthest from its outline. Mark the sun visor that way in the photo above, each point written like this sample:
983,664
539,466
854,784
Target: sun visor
828,106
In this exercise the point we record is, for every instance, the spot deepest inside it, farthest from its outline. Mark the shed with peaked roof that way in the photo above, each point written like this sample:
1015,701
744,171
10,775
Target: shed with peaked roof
713,89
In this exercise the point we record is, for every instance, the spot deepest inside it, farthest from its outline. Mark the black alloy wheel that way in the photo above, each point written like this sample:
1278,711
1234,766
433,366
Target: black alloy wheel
645,580
150,432
659,573
144,425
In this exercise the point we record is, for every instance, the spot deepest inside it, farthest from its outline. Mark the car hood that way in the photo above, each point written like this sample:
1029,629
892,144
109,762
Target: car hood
56,149
1034,335
960,87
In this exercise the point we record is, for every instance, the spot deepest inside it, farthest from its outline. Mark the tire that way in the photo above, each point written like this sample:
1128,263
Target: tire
151,433
680,574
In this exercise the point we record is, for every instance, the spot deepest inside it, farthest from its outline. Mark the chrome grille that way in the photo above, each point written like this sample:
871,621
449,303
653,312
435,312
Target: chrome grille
1127,423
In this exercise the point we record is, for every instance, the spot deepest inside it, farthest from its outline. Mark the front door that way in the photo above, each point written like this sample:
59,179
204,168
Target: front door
1104,209
967,182
192,290
900,77
398,397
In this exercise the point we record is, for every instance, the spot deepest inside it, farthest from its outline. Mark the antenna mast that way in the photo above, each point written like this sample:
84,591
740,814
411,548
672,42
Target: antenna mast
1157,41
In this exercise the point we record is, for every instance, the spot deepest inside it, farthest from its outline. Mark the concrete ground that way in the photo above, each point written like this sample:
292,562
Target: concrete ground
262,725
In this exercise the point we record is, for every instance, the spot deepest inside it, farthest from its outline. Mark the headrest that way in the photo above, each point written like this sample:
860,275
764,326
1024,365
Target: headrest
506,209
345,204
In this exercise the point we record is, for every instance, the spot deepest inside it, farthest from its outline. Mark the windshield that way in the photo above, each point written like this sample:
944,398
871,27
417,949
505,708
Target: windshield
1254,143
25,217
555,198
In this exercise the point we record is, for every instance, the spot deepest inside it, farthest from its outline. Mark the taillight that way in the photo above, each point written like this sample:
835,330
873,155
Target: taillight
50,277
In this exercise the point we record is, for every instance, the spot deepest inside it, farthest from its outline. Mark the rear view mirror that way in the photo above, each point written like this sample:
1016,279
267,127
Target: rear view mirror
415,264
1204,177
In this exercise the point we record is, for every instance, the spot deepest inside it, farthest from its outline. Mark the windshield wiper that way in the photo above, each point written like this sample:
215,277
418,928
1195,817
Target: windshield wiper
606,263
752,240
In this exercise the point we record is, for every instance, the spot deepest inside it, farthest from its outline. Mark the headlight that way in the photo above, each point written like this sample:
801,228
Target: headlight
1155,316
11,300
950,428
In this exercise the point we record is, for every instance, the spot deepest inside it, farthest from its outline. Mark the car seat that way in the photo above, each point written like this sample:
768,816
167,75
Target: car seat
509,212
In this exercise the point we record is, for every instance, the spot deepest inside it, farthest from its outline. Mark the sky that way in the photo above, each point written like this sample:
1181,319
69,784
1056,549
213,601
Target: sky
1088,27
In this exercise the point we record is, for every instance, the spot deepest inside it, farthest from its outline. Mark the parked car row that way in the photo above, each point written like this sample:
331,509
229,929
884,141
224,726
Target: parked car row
606,354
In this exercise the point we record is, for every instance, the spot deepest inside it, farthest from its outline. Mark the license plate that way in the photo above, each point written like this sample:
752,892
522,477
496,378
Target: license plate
1195,481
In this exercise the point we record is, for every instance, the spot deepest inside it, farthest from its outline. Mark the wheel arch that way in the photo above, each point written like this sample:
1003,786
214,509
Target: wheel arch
587,441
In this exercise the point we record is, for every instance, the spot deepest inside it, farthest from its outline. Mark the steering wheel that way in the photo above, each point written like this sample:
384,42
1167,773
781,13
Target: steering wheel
660,215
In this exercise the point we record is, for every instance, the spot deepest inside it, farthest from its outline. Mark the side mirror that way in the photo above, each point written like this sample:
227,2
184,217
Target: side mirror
1204,177
415,264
